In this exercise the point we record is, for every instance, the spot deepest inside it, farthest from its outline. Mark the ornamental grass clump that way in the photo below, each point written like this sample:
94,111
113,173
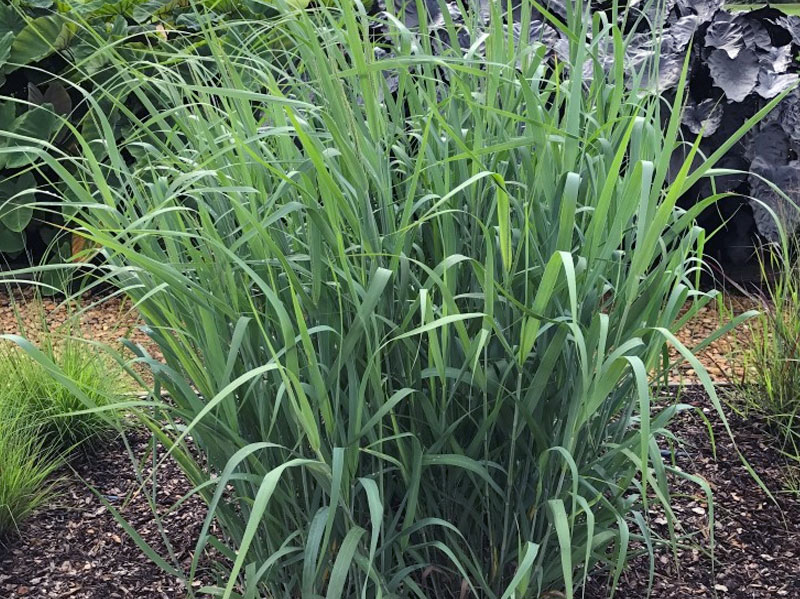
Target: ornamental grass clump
26,466
409,301
61,409
771,353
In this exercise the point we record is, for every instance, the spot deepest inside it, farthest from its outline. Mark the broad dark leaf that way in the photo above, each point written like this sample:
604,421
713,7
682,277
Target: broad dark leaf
705,116
792,25
704,9
407,11
55,95
776,60
771,144
736,77
683,30
787,178
726,33
755,35
773,84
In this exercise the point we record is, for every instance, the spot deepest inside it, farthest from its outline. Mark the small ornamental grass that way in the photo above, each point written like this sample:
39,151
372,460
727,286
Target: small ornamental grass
26,465
409,306
60,409
771,353
44,396
61,374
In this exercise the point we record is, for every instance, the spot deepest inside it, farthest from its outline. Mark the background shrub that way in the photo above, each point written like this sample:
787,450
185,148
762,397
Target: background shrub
409,303
48,50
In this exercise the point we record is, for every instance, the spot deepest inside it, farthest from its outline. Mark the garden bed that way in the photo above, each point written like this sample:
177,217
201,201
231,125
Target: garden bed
76,548
757,552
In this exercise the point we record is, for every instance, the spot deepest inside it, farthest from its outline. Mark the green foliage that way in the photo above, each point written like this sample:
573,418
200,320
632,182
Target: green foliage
409,328
25,465
59,377
59,408
772,351
48,50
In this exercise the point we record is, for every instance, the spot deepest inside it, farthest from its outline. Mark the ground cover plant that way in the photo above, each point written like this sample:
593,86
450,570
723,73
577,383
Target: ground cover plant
42,420
409,301
26,463
86,373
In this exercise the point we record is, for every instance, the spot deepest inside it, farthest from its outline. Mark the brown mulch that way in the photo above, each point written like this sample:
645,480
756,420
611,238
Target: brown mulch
723,358
104,319
757,539
76,548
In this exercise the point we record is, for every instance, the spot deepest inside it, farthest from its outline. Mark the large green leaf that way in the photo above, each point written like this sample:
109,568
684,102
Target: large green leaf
38,3
6,39
11,242
7,114
154,9
16,204
38,123
10,21
39,39
103,8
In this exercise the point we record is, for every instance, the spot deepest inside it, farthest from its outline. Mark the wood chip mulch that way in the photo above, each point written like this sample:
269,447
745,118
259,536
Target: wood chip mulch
757,548
75,547
723,359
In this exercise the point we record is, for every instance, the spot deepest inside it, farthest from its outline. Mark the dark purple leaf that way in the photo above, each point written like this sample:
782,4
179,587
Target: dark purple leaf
767,204
705,116
704,9
407,11
773,84
776,60
736,77
770,143
792,25
726,33
755,35
683,30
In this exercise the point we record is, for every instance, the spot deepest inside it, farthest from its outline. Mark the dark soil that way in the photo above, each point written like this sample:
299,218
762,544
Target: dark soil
75,548
757,549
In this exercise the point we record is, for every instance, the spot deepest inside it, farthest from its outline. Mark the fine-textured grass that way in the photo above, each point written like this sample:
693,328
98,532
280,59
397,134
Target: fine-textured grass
772,350
26,465
70,376
62,414
409,328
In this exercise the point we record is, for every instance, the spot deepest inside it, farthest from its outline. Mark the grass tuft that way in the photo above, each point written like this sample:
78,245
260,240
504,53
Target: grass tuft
26,466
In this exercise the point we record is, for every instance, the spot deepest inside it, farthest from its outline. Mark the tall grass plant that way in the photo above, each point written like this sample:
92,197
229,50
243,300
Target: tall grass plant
409,302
